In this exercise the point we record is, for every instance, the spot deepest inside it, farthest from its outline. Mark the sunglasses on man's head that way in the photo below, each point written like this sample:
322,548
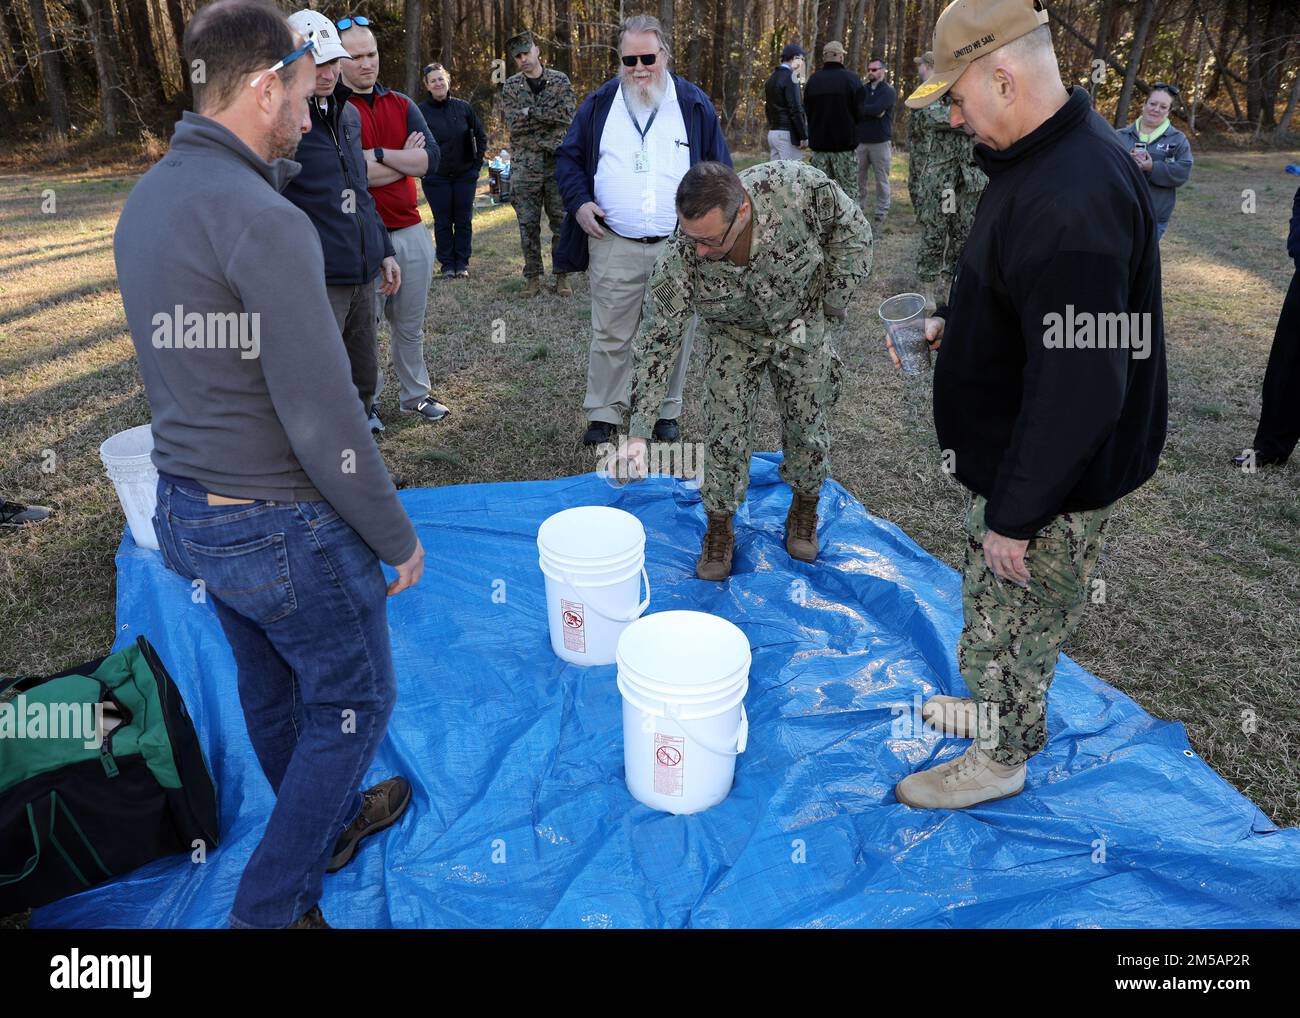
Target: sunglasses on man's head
306,47
646,58
347,23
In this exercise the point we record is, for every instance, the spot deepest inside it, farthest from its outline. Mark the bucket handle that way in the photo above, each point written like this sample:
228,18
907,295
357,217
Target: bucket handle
740,740
636,614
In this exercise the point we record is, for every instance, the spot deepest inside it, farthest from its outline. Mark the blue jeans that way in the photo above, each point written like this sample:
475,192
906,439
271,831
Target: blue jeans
1160,230
303,602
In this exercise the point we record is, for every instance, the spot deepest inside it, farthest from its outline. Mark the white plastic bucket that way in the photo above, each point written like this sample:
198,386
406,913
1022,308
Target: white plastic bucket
683,676
593,558
126,459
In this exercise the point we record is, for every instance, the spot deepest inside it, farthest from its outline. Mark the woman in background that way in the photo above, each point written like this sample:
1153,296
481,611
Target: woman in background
1161,151
449,189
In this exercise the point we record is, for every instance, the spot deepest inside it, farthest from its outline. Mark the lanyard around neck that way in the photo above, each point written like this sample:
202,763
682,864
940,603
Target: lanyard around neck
637,124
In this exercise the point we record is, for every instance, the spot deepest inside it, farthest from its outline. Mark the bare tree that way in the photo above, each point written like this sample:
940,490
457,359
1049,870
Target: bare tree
1145,16
51,69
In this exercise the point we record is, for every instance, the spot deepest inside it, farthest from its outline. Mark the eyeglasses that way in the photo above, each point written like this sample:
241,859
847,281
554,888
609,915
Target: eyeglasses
875,68
1164,86
347,23
306,47
646,58
725,233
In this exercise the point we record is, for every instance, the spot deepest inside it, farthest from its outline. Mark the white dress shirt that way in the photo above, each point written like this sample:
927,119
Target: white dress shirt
642,204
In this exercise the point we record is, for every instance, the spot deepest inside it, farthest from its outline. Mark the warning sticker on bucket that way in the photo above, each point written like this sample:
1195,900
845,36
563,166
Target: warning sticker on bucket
575,633
670,762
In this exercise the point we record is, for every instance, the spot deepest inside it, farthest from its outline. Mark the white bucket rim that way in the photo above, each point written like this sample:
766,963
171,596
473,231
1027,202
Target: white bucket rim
662,644
692,711
591,561
592,565
705,690
634,533
603,578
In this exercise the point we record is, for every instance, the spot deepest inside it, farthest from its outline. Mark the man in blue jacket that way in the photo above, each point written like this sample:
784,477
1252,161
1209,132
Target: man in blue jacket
618,168
331,189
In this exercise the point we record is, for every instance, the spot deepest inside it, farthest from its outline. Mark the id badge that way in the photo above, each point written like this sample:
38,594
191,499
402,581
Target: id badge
641,164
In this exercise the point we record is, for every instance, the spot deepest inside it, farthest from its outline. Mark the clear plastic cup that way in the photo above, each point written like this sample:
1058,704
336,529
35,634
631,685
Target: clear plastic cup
904,318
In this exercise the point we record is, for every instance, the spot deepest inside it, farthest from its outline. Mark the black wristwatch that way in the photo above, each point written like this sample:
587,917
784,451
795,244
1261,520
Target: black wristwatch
379,156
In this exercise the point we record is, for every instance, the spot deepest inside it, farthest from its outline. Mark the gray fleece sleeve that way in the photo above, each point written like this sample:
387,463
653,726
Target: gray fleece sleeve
309,381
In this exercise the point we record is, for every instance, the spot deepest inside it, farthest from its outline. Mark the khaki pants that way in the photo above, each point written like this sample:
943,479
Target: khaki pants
405,313
617,271
876,157
779,146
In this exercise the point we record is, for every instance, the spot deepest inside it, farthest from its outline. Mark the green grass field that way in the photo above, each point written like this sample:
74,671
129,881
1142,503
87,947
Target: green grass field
1201,622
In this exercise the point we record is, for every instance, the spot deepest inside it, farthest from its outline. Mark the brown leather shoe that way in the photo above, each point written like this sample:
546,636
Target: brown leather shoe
714,562
532,287
562,287
381,807
801,528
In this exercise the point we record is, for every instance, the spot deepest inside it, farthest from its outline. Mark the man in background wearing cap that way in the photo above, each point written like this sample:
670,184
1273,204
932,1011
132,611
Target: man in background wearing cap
876,136
331,189
1047,424
833,99
539,104
399,150
787,130
946,187
252,500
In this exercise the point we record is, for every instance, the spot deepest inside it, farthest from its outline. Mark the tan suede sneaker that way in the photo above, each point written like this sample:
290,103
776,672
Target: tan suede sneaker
562,287
714,562
967,781
952,715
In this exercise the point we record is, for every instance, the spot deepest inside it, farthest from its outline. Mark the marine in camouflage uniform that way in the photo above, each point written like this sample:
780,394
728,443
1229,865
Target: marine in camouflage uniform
811,247
841,167
947,162
538,122
1012,635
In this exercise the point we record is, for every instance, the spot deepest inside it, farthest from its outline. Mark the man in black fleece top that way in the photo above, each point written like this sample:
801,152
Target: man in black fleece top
1049,392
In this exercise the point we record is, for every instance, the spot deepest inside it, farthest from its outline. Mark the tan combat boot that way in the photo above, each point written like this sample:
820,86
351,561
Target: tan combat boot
801,528
714,562
952,715
970,779
532,287
562,287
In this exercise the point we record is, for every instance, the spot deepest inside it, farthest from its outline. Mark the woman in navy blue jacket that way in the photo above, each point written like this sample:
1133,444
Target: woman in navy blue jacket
449,189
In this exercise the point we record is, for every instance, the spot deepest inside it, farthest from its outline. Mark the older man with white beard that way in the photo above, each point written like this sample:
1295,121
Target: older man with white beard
627,149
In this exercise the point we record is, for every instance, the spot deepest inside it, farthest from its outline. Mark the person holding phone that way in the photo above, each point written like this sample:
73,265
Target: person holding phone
1161,151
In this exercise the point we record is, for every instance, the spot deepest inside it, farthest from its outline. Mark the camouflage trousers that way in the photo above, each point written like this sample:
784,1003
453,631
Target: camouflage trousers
805,381
1012,635
529,197
945,225
841,167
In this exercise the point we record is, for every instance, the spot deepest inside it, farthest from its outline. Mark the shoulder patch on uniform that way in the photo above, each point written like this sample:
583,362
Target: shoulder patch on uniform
670,295
824,202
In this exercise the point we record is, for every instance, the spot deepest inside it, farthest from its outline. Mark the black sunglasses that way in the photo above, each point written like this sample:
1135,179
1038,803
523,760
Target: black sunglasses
347,23
1164,86
646,58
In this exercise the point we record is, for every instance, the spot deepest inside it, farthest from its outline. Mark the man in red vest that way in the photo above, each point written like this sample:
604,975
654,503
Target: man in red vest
399,149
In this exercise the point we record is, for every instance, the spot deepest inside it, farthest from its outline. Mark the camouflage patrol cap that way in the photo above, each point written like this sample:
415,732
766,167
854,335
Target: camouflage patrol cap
965,31
521,42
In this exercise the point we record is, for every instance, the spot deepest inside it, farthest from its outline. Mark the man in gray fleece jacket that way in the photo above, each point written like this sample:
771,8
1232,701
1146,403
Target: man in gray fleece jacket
272,497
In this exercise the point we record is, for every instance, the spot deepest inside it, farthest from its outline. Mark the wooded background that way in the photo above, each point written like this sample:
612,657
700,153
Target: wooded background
113,67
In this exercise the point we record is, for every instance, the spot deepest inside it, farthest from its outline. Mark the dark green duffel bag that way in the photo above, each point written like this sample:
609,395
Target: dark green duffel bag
100,772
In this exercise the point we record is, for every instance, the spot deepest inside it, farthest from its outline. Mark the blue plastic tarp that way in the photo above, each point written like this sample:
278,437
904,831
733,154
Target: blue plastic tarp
521,817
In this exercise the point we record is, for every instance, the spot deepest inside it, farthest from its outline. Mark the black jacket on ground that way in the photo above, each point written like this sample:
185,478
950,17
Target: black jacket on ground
461,139
353,244
1065,228
832,99
876,123
784,105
